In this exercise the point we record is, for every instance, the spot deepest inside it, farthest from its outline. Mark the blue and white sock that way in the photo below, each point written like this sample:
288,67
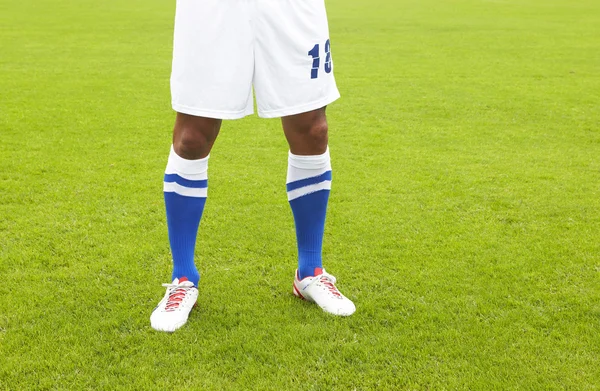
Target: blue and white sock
185,188
308,186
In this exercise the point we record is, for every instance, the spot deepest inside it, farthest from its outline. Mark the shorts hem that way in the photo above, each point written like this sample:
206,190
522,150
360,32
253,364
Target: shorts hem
211,113
299,109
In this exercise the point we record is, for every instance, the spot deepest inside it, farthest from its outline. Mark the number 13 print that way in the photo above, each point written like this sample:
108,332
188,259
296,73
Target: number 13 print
314,53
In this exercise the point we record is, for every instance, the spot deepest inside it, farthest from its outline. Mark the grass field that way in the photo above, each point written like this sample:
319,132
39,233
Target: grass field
464,220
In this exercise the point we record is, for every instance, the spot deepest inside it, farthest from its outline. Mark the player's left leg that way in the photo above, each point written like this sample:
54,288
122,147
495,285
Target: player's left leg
308,187
293,79
308,184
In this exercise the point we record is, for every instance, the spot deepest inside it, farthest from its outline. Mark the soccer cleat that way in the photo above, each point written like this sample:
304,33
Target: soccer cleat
173,310
321,290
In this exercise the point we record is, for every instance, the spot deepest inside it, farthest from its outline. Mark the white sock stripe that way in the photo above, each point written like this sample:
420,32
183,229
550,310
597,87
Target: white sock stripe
297,193
192,177
310,162
295,175
303,167
185,166
172,187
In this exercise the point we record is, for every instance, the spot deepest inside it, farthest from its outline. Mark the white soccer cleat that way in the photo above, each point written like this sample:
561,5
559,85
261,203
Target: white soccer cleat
173,310
321,290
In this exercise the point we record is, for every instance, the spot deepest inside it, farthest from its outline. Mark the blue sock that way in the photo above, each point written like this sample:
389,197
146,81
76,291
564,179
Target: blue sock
308,187
185,189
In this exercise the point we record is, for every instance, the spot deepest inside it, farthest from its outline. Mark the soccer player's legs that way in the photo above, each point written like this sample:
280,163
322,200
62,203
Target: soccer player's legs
186,187
185,193
293,58
185,190
213,59
308,186
294,80
211,80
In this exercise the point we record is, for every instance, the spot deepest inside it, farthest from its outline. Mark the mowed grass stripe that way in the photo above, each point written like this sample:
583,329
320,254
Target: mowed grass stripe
463,220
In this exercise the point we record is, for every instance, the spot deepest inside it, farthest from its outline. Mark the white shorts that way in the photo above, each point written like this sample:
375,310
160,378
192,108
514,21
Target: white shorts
223,48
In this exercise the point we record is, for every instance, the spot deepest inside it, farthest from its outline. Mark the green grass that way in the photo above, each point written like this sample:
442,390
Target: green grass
464,221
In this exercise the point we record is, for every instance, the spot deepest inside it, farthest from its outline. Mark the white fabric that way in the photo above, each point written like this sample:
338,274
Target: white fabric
297,193
222,48
192,177
194,170
302,167
172,187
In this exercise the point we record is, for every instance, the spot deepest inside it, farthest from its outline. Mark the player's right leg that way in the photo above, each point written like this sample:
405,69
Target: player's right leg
211,80
213,59
186,188
185,192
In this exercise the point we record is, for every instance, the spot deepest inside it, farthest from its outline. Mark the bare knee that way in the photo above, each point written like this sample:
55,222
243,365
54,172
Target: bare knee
307,133
193,137
191,142
319,135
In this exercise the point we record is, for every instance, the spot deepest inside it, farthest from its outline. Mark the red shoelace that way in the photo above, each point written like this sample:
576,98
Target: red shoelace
329,285
175,299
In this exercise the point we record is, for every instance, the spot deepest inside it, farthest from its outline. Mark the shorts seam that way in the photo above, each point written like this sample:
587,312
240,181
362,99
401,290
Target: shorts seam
300,108
219,114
